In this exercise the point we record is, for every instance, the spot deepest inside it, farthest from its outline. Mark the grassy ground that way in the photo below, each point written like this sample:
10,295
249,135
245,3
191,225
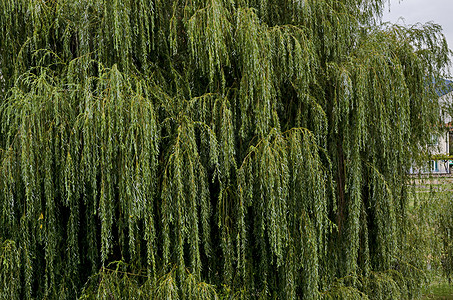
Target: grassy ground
434,183
439,291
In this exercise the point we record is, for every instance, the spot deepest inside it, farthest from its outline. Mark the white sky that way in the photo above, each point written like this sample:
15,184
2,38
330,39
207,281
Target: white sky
422,11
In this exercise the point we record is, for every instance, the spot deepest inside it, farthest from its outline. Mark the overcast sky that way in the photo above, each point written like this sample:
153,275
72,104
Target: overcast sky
422,11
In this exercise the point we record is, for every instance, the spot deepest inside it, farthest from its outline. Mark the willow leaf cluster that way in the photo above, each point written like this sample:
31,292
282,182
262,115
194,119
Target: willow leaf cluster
210,148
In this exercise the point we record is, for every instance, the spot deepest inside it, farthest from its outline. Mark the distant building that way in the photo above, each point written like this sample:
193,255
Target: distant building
442,145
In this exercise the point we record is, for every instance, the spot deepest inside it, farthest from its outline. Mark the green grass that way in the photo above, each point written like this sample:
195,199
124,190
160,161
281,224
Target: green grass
439,291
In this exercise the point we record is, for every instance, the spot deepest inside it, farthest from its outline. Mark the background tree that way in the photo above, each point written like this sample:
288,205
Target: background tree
197,149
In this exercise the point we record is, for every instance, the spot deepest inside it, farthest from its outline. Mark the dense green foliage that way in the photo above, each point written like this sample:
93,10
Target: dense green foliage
210,148
430,213
446,232
436,214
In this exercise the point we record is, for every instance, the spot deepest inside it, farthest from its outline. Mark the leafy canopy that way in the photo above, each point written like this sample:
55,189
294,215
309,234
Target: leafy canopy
201,149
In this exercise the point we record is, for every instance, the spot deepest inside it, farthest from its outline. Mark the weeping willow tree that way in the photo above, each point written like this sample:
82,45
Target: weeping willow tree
203,149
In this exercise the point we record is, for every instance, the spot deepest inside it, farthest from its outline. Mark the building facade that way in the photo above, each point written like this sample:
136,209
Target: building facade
442,144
